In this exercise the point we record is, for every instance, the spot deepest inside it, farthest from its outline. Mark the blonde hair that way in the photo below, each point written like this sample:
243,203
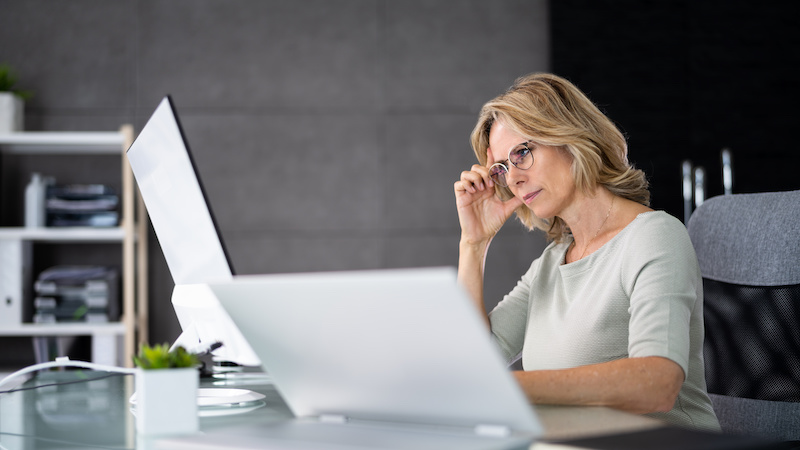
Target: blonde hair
550,110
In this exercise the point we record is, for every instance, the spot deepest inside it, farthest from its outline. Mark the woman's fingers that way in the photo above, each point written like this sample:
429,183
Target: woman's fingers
474,180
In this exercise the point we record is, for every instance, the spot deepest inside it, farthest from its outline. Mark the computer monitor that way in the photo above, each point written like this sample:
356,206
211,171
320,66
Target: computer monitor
188,235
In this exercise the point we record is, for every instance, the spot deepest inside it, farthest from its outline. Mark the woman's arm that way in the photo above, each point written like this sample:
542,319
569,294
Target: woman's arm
481,215
471,258
637,385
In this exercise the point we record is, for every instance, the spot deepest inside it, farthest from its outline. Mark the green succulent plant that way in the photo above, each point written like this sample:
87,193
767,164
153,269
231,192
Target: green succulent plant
8,81
160,357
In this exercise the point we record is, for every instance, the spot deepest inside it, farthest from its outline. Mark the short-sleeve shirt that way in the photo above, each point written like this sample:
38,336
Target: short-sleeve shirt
639,295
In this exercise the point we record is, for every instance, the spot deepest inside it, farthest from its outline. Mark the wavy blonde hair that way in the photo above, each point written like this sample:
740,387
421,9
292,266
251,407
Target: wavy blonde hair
549,110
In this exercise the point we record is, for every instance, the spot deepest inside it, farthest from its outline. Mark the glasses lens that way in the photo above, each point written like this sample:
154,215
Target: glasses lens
498,174
521,157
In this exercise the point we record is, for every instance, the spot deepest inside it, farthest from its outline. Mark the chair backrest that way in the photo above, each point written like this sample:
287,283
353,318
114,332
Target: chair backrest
749,239
748,247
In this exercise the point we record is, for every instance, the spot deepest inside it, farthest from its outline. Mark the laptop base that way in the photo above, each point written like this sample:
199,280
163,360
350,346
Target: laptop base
303,434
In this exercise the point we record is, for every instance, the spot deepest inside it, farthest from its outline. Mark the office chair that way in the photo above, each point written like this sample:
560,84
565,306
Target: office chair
748,247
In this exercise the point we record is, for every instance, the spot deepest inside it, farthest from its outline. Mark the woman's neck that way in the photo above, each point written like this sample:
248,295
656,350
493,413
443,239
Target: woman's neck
589,215
596,220
591,224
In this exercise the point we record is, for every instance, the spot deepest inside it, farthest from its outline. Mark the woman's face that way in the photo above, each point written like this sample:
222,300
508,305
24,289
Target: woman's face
547,187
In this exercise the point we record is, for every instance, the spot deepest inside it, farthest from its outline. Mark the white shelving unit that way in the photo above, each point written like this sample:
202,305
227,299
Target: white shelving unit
16,256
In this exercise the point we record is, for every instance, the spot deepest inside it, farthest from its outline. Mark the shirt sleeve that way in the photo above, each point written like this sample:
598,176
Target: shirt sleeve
510,317
663,278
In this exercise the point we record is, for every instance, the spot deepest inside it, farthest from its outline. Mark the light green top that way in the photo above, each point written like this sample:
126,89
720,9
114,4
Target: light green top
641,294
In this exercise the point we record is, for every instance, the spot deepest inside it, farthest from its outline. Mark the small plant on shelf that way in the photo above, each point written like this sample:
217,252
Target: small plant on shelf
8,82
160,357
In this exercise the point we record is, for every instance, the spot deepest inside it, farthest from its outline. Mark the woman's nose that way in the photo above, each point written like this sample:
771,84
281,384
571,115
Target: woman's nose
515,175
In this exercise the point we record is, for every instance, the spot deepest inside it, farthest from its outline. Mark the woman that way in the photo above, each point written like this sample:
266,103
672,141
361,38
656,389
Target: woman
611,313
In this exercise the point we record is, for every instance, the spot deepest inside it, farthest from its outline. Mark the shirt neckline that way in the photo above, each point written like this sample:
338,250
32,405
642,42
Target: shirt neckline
603,248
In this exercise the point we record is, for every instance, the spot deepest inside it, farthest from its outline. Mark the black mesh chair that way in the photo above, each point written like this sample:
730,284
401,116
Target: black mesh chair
748,246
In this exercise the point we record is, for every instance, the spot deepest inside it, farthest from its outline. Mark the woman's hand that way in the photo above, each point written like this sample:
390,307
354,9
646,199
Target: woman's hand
481,215
480,212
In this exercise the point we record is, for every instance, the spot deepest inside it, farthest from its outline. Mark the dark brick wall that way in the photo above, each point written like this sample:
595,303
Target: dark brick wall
684,79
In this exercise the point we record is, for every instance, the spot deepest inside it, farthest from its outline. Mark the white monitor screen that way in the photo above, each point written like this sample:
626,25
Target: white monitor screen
175,201
187,233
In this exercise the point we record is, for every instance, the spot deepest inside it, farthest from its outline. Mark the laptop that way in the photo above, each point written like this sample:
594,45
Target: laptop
375,359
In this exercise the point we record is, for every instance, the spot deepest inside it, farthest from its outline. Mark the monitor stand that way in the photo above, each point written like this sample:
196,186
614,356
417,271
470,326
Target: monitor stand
206,329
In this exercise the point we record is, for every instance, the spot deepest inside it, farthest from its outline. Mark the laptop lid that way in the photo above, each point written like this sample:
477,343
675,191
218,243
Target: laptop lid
392,346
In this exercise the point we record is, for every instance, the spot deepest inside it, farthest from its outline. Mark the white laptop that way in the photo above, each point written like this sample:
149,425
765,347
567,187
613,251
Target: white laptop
375,359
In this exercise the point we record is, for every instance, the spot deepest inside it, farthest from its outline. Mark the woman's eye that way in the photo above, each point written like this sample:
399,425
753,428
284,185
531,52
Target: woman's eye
520,153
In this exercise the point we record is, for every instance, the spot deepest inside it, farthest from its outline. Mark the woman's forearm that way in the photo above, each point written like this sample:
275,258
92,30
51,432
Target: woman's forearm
471,257
638,385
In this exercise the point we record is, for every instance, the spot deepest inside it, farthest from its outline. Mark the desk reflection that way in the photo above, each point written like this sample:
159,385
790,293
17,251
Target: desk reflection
63,409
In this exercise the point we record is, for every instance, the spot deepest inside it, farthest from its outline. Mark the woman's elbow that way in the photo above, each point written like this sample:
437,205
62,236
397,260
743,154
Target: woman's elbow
664,392
665,401
656,399
665,383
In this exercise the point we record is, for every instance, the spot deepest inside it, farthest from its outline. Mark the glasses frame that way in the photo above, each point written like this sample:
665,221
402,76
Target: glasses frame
508,160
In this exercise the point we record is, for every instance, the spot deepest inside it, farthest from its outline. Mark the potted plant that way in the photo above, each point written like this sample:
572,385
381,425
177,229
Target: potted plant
12,104
166,390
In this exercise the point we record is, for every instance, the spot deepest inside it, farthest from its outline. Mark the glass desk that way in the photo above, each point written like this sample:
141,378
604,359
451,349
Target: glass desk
92,410
90,414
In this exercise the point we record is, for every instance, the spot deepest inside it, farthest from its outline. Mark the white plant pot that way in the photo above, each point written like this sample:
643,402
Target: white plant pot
166,401
12,113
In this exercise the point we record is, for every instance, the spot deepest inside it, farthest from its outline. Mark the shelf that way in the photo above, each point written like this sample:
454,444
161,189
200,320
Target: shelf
65,234
53,143
114,343
64,329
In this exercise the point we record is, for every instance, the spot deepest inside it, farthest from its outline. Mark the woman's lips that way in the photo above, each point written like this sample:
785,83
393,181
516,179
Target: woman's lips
529,197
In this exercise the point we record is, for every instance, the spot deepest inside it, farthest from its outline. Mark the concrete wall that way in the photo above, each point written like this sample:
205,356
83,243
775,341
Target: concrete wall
327,133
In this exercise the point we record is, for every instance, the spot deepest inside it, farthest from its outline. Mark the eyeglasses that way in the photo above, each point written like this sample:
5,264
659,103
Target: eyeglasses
519,156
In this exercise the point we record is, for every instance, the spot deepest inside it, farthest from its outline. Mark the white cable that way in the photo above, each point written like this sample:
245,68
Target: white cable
64,361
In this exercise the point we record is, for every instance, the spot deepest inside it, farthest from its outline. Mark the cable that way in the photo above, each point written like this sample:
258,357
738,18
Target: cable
63,361
62,383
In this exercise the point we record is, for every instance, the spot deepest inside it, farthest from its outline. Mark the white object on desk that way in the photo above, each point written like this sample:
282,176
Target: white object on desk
166,401
222,401
226,397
